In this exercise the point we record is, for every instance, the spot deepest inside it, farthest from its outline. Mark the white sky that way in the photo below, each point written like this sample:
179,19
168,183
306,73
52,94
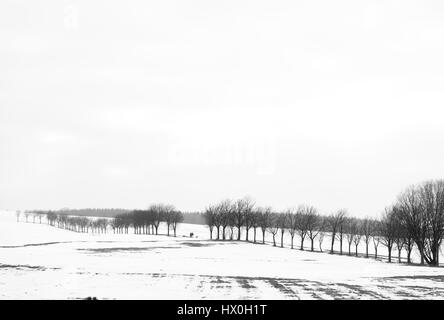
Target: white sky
338,104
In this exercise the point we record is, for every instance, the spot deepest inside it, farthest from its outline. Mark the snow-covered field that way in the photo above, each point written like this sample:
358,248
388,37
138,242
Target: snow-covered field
42,262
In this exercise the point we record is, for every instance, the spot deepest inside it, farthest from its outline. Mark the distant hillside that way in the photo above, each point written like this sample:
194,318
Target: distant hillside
189,217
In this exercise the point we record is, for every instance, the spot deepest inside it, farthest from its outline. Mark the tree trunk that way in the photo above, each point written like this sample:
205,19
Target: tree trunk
282,239
263,236
292,240
274,240
312,244
340,244
254,235
356,251
302,243
239,233
246,235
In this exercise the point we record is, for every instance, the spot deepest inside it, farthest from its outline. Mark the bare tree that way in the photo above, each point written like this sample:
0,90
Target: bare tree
249,217
168,216
422,213
282,224
255,224
242,209
177,218
412,217
273,226
225,209
400,231
367,233
350,231
239,216
313,224
431,194
335,222
157,214
231,223
265,220
340,233
358,236
17,214
292,224
376,235
301,223
218,219
388,230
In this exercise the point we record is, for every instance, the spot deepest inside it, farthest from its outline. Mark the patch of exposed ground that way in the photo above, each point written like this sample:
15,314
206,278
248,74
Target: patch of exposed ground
439,278
122,249
197,244
25,267
360,291
36,244
245,284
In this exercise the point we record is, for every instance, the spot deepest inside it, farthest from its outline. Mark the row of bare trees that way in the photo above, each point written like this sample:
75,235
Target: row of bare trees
227,220
417,218
148,221
72,223
141,221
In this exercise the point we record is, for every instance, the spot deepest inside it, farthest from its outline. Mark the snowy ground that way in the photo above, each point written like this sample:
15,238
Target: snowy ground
42,262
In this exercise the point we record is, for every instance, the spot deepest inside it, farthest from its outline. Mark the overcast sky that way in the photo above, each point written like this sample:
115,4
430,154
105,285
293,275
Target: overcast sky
338,104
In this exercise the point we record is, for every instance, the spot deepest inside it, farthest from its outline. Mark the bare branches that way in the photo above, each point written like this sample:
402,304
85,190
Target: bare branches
389,229
273,226
264,220
421,214
335,225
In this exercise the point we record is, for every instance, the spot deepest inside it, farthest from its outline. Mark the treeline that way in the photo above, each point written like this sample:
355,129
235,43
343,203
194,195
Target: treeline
141,221
93,212
188,217
61,221
148,221
417,218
